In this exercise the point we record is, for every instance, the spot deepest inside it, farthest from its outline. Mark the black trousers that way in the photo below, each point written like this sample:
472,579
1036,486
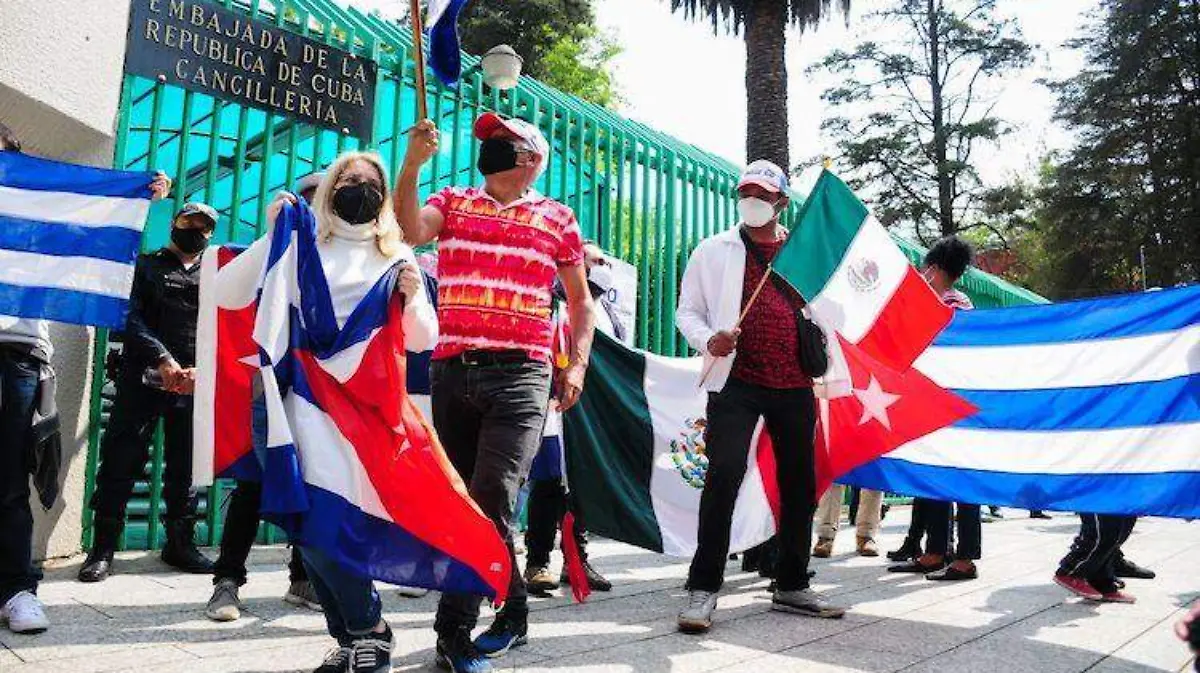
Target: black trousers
548,502
940,524
490,420
241,529
733,414
126,448
1096,548
916,525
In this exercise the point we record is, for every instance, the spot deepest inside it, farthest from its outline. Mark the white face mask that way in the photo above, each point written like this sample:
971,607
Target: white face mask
756,212
601,275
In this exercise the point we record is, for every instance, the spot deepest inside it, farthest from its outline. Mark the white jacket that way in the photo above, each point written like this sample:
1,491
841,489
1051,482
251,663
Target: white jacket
710,300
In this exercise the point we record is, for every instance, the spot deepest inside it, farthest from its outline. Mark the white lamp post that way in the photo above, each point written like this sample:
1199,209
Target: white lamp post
501,67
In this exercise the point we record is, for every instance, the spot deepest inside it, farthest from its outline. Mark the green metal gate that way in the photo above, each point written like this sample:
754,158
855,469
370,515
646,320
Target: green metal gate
645,197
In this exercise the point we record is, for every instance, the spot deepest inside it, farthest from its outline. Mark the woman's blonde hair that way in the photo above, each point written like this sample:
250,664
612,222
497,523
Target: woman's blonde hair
387,230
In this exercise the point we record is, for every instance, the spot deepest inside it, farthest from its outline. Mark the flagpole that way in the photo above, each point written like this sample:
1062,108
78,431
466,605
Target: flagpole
419,59
754,297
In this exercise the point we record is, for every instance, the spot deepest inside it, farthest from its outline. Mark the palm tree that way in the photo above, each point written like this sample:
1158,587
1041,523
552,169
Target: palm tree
765,24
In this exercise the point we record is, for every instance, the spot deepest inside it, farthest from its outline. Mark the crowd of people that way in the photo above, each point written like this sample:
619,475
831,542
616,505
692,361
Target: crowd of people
515,281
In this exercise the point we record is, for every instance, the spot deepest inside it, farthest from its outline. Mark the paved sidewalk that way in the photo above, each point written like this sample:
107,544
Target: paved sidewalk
1011,619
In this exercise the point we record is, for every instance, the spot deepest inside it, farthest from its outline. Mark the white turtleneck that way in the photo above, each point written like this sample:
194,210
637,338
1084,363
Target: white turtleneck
353,264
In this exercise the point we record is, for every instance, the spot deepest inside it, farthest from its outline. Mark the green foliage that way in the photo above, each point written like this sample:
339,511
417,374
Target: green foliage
732,15
912,111
578,64
1131,185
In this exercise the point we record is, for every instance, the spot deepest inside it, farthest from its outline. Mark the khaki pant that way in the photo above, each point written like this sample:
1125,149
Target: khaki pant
829,512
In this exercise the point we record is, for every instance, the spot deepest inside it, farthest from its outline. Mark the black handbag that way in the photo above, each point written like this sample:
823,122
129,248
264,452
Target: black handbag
814,355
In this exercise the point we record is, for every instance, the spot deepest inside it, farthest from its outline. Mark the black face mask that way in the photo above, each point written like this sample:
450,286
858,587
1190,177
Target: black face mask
496,156
358,204
189,241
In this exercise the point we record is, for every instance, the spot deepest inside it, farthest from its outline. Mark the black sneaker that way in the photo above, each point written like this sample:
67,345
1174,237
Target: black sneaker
1128,569
504,634
456,653
596,581
372,653
337,661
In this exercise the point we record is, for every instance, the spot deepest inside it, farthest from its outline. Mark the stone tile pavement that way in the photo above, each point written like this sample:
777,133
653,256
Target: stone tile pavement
1013,619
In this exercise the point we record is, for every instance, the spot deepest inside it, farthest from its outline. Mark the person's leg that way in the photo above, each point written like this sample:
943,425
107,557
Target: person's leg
178,493
938,522
790,420
1099,571
870,510
911,547
732,416
829,512
296,570
515,399
241,529
970,533
124,451
457,421
18,390
545,506
352,606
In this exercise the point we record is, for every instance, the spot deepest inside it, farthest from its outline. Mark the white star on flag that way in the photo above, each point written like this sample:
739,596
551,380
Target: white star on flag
875,401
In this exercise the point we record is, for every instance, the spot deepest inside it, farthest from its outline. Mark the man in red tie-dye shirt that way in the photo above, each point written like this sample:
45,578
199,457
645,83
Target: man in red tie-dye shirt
500,247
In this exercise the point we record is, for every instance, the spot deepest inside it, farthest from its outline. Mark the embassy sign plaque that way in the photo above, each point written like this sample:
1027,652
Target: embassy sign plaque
200,46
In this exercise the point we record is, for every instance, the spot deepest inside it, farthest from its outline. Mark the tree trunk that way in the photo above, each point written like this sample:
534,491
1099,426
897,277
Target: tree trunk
766,82
945,180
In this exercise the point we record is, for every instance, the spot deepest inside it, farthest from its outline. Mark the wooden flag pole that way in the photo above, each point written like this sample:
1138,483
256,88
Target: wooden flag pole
419,59
754,297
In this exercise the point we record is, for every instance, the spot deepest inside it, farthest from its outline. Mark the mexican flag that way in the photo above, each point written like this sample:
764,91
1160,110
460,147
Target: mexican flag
856,280
636,454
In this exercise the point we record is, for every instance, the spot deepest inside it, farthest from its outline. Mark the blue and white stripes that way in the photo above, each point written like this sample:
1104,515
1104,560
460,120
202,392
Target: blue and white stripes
1090,406
69,237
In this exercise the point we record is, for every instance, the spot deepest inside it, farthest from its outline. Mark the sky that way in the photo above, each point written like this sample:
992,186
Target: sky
679,78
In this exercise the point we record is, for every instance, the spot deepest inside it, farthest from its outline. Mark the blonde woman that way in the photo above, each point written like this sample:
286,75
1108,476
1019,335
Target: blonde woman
358,241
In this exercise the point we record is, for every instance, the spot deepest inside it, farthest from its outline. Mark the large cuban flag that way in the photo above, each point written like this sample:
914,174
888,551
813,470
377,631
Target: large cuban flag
445,57
319,412
69,238
1086,406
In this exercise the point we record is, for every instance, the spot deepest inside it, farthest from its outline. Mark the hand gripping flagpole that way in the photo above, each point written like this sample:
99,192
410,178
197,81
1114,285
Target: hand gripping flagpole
419,59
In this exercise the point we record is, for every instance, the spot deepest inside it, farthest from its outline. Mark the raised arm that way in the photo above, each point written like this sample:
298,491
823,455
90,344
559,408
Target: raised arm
419,224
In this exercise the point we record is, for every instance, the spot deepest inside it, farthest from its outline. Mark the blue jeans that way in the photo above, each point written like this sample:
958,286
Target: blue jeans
18,392
351,604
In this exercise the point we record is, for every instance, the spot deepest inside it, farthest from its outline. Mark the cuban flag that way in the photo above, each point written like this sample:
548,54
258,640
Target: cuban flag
320,414
445,56
1085,406
69,238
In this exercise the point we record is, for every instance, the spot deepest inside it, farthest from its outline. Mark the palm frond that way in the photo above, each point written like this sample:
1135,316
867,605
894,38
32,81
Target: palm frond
731,14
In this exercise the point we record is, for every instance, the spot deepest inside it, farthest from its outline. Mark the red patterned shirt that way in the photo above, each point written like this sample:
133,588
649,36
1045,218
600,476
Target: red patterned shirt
768,351
496,268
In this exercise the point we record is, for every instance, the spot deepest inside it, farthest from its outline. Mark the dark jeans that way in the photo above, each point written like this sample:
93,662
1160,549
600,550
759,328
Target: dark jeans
940,524
351,604
733,414
126,448
241,529
1096,549
548,502
18,393
490,420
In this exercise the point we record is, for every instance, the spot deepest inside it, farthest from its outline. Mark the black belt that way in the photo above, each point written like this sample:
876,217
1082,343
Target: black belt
481,358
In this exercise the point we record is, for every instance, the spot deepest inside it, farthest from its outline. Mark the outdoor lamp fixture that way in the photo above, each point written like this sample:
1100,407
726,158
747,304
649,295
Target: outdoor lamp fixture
501,67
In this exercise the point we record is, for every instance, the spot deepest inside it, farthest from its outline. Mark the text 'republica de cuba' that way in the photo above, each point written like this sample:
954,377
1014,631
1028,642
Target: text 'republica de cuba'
202,47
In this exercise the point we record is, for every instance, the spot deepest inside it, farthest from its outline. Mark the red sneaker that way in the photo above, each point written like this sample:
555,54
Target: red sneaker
1078,586
1118,596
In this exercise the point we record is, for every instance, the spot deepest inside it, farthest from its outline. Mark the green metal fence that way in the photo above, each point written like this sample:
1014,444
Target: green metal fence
646,197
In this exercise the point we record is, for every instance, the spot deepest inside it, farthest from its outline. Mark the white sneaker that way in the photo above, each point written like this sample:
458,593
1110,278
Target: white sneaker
224,605
24,613
697,616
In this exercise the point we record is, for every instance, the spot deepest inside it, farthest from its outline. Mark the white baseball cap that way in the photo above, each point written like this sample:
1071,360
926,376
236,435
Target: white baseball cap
766,175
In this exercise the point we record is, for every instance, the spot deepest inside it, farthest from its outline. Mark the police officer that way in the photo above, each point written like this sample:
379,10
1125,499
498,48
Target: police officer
156,381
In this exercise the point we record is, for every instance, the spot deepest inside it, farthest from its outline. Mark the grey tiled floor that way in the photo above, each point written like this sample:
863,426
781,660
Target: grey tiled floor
1011,619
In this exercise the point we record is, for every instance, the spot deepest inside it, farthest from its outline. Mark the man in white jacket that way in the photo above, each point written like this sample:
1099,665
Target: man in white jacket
753,372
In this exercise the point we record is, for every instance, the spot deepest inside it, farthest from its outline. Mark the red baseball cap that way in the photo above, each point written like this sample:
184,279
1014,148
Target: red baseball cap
490,125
